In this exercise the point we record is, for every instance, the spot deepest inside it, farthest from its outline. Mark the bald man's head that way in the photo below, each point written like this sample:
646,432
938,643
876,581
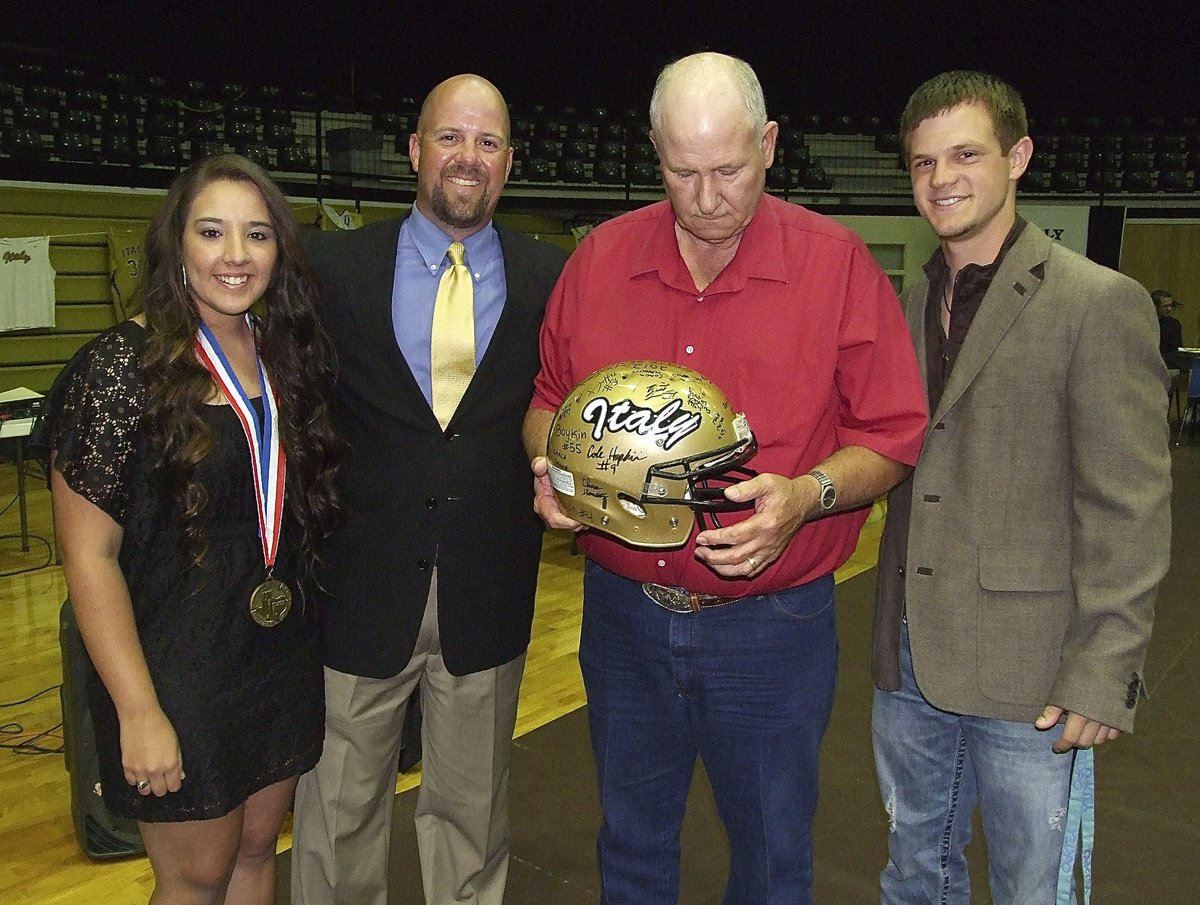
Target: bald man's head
461,154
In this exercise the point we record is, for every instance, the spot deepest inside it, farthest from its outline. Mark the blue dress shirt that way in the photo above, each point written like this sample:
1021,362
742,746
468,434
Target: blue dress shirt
420,262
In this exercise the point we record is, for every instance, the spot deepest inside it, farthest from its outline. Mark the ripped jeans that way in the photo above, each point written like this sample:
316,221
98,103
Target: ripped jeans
933,767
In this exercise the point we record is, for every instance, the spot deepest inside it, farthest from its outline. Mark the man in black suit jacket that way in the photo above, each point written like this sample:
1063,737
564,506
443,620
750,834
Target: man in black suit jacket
432,577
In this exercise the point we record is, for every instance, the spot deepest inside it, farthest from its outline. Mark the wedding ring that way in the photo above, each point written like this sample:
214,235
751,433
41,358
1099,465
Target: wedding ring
752,562
143,785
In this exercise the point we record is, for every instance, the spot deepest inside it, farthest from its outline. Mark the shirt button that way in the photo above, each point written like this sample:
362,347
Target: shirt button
662,562
699,298
689,349
431,503
423,565
433,268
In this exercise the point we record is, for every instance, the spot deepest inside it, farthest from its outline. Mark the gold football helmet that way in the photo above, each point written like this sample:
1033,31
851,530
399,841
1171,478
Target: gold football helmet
640,447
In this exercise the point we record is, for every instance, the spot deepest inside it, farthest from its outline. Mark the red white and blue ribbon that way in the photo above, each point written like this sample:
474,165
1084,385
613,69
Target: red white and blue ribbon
266,453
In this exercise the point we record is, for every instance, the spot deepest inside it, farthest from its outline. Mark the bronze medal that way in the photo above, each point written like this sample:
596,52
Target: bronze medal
270,603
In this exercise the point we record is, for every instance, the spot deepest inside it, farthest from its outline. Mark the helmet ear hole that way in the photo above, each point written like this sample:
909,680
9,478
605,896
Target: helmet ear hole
632,506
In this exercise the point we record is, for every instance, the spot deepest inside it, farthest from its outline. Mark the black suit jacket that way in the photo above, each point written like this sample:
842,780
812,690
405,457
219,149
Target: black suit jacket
416,496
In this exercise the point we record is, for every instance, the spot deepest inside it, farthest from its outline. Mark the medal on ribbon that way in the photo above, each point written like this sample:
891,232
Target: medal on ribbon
272,599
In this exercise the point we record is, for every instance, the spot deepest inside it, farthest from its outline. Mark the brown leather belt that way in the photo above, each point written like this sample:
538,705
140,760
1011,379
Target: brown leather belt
677,600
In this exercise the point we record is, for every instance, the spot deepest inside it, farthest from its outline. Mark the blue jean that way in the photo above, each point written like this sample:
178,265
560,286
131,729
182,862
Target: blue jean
748,688
933,767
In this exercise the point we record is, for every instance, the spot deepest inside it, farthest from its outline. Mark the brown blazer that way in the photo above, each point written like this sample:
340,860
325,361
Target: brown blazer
1039,512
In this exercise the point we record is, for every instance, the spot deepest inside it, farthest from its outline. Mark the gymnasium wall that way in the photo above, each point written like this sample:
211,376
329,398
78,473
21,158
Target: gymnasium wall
1166,254
78,222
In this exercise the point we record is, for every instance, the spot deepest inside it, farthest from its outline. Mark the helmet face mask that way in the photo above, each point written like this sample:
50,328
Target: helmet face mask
639,448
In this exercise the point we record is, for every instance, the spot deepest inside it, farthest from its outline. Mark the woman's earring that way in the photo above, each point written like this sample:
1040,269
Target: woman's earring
183,267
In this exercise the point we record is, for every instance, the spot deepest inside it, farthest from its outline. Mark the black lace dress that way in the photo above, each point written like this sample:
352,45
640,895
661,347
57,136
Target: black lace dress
246,702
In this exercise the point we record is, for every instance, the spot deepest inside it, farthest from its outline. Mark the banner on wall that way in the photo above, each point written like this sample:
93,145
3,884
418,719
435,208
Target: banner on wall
332,219
125,257
26,283
1065,223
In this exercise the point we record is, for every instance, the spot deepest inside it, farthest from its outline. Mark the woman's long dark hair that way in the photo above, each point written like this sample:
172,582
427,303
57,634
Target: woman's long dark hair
296,353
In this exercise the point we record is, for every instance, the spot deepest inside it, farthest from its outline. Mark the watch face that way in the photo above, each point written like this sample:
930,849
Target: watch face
828,498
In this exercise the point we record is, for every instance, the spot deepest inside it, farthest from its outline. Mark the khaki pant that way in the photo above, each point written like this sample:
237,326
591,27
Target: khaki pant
343,812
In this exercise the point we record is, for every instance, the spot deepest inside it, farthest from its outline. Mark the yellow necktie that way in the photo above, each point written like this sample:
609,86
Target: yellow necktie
452,345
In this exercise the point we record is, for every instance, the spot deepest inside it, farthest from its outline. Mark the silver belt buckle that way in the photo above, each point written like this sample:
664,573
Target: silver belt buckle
673,599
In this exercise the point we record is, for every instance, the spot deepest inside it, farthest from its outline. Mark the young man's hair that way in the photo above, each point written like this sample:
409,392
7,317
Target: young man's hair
944,92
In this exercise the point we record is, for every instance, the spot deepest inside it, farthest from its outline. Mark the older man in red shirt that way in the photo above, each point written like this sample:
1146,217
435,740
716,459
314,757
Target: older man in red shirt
786,312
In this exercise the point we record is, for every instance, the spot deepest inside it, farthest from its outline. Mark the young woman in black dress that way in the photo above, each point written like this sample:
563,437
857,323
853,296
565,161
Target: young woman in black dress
191,461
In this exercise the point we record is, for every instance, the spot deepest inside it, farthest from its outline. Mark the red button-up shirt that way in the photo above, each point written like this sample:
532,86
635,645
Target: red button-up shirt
801,331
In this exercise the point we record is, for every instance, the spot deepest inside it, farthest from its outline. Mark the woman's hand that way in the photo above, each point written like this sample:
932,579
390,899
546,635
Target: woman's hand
150,753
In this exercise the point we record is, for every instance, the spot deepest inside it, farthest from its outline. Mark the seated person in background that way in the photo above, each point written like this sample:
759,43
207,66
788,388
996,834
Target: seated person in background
1170,331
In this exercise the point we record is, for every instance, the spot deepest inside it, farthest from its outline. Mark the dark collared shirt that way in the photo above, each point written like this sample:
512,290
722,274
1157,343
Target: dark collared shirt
970,286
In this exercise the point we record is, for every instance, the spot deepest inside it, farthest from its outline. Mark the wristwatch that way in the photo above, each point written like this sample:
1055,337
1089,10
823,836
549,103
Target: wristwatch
828,492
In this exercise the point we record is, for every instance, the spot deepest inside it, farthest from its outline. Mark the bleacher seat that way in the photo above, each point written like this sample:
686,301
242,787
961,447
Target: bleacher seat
162,105
1176,181
1044,143
576,149
815,177
162,124
888,143
209,129
201,148
74,145
608,172
25,144
1103,181
239,131
1106,160
613,131
610,150
1071,160
121,102
281,135
521,128
1139,160
163,150
42,96
581,130
538,170
1138,181
116,147
294,158
544,149
257,152
1035,181
570,170
780,176
31,118
642,151
280,116
643,172
195,92
85,99
305,100
1137,141
1068,180
1170,160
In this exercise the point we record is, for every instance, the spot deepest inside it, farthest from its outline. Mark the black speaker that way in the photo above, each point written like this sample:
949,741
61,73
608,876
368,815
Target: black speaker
101,835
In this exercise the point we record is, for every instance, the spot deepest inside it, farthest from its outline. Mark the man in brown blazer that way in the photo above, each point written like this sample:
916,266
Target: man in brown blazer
1021,559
